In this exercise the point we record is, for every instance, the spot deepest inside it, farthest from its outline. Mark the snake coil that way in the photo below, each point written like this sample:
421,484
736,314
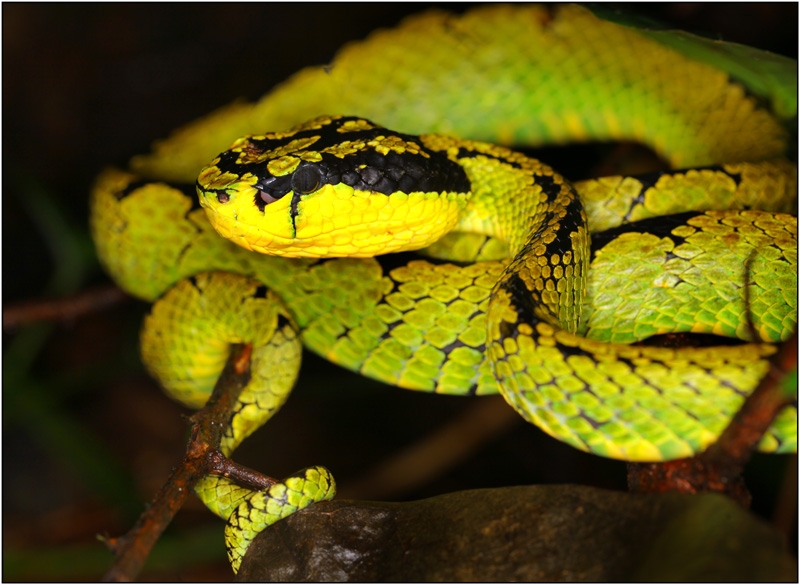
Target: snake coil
512,298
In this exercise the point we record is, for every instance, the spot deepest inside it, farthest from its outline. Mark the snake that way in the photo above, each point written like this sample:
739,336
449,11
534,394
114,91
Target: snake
297,233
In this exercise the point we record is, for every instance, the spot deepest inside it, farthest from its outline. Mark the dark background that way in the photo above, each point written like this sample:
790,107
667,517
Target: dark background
87,436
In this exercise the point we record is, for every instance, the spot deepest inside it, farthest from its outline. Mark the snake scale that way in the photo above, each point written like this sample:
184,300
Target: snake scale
511,296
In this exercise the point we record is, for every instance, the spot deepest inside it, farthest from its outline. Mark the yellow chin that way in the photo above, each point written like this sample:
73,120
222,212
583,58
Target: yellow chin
337,221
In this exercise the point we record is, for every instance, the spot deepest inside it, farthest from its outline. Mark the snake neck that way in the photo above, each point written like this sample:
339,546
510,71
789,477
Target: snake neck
538,214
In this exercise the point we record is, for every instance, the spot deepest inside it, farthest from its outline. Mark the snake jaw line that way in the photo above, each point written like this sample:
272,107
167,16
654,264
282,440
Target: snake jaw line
334,221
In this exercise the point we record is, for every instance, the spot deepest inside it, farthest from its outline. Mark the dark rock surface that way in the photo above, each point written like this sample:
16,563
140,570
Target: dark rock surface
529,533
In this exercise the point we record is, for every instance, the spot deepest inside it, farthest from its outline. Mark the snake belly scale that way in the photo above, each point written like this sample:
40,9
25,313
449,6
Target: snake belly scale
513,298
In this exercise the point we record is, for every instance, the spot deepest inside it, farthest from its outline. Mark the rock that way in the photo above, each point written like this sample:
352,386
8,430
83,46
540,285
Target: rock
529,533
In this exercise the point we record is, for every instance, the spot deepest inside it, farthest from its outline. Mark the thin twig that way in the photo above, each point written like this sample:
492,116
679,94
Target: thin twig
82,303
739,440
218,464
202,457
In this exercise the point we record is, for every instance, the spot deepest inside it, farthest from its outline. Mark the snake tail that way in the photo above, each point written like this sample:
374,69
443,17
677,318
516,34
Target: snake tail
216,310
263,508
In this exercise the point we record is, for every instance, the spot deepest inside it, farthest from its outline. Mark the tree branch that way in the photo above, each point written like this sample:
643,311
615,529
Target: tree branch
719,468
202,458
64,309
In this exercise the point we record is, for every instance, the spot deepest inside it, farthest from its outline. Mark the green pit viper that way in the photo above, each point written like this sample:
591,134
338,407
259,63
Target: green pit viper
512,299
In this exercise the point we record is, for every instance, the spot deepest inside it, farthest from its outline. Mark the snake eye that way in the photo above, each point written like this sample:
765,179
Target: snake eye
306,179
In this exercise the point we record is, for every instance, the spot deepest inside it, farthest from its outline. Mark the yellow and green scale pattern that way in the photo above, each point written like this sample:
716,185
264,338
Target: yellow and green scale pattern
531,286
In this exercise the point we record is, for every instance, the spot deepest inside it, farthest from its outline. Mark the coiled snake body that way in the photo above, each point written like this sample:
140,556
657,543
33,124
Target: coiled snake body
552,327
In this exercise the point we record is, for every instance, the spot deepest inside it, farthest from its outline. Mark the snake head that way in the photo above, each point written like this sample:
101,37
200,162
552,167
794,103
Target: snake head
334,186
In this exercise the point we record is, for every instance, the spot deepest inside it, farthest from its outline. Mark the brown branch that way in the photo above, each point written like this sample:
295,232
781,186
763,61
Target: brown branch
719,468
218,464
65,309
202,458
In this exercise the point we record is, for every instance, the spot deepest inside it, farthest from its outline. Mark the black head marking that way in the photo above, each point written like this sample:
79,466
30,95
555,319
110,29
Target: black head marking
363,167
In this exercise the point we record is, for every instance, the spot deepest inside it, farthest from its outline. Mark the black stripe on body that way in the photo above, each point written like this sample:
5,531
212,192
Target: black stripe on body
661,227
649,180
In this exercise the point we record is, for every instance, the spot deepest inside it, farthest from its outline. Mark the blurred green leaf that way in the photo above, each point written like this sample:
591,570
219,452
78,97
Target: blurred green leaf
89,561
